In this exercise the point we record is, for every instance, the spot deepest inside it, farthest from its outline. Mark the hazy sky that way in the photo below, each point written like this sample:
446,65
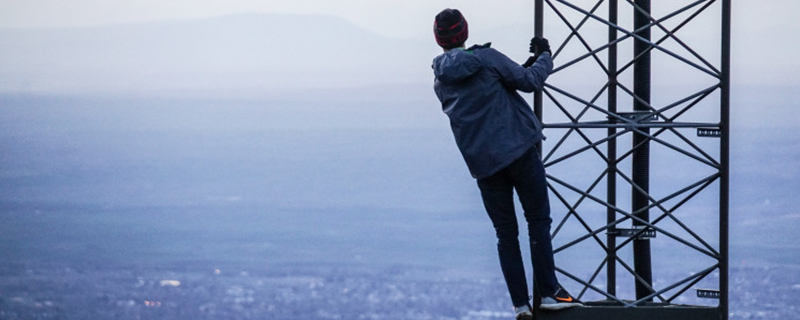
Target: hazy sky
401,18
764,43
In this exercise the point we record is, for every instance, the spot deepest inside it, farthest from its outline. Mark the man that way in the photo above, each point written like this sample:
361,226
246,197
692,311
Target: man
496,132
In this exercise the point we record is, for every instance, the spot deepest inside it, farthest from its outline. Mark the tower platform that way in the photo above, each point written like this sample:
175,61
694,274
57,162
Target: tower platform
604,310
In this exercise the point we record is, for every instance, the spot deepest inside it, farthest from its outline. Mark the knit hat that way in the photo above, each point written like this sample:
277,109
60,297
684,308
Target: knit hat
450,29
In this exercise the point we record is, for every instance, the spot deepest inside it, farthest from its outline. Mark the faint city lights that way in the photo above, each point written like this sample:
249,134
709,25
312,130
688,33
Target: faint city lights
148,303
170,283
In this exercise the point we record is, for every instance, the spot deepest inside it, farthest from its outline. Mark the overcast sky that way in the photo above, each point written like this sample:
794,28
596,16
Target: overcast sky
402,18
764,43
399,18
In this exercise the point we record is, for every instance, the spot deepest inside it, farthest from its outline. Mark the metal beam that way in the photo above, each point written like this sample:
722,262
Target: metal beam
673,130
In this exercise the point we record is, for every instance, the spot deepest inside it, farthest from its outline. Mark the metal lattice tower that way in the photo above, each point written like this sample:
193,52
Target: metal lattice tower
637,118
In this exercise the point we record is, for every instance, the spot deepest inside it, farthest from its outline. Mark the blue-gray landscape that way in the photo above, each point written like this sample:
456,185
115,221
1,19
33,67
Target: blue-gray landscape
226,168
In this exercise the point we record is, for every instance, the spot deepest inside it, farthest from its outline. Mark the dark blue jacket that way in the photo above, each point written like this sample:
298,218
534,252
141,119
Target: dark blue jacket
493,125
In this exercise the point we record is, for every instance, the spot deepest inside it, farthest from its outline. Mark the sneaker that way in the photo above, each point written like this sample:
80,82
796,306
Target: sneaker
559,300
524,313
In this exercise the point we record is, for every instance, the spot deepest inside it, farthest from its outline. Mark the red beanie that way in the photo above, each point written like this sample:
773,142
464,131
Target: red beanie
450,29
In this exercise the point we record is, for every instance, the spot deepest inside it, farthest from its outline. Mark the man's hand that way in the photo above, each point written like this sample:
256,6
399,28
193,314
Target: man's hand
539,45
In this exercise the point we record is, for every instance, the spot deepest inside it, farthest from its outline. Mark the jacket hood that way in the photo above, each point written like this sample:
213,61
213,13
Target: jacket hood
455,65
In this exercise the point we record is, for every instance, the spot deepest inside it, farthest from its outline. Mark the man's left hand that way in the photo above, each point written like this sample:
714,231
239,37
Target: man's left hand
539,45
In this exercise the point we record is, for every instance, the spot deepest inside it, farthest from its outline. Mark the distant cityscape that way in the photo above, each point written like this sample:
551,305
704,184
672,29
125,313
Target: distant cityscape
62,292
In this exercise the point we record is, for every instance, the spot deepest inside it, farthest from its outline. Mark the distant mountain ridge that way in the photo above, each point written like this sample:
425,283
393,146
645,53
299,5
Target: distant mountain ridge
235,52
258,54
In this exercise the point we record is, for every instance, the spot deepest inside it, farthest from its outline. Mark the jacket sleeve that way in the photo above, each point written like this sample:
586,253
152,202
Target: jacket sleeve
524,79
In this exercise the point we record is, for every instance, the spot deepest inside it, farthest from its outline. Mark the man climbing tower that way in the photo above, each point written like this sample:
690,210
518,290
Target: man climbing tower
496,132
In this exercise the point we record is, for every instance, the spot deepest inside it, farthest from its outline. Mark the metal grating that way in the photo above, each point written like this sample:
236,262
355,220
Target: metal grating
629,109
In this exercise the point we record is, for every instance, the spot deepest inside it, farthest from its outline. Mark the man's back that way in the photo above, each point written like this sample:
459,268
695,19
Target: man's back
492,123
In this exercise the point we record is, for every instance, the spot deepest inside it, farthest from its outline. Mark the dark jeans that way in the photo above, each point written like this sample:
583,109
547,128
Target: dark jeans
527,176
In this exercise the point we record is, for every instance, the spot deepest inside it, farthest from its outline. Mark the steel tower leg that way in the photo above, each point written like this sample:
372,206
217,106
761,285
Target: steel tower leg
611,192
725,104
641,145
538,31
